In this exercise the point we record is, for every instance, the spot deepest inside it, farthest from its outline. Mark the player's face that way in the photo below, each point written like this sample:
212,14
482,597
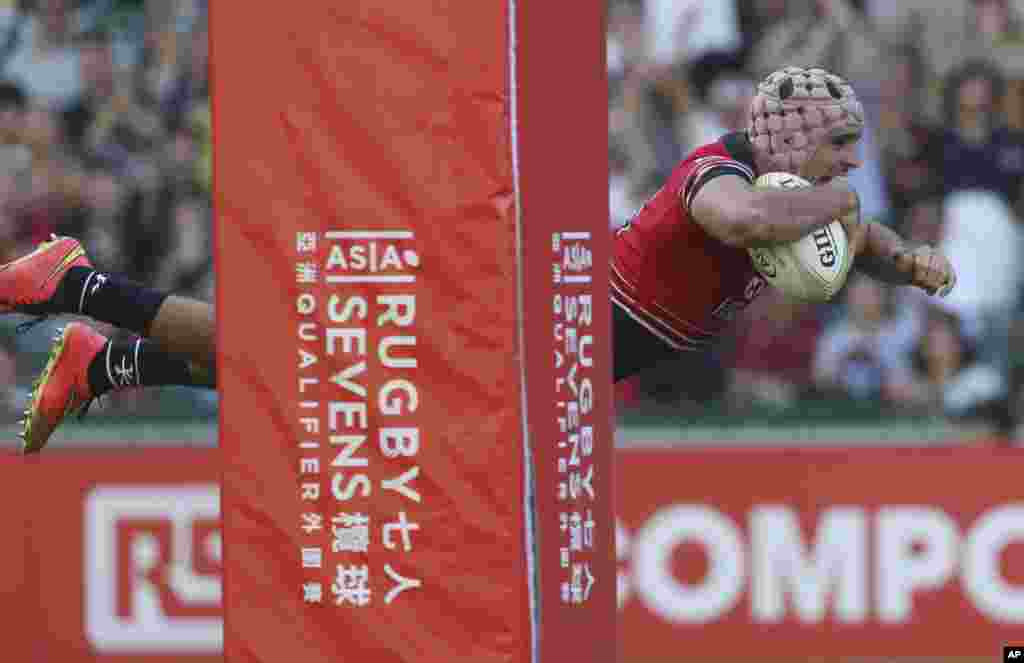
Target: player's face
836,157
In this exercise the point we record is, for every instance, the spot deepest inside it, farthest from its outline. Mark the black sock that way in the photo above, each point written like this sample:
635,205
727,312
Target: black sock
108,298
136,363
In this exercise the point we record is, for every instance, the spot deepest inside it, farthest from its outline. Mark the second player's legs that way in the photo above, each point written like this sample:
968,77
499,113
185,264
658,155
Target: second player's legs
186,327
180,326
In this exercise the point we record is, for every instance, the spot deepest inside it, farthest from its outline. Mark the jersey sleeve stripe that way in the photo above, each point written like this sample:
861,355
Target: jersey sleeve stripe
707,168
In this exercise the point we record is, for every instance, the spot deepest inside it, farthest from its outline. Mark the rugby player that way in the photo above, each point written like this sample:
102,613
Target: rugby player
173,342
680,271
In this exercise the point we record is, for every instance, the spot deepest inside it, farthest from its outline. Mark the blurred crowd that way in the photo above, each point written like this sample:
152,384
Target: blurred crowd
942,82
105,136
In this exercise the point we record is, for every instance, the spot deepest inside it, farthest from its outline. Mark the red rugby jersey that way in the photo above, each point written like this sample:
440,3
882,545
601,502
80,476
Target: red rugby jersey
667,272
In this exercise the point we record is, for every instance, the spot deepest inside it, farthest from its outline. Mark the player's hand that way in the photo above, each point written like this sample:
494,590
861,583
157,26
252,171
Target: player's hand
856,228
928,269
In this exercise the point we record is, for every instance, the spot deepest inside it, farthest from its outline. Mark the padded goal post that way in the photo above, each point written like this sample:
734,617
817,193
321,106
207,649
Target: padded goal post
414,331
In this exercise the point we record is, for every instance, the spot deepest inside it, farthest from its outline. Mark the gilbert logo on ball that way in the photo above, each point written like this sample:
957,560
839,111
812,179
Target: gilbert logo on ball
814,267
826,247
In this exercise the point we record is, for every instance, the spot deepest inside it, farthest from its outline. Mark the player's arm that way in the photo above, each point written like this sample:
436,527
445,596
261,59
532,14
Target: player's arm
730,209
888,257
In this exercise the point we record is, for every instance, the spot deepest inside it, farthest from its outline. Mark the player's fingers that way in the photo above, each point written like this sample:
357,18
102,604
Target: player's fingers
938,269
949,278
942,271
949,285
919,270
920,273
933,274
904,261
856,232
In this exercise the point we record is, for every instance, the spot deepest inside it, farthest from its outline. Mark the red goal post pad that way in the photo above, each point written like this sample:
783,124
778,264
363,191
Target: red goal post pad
413,338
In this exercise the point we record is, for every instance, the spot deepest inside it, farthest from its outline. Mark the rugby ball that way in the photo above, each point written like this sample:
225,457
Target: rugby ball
814,267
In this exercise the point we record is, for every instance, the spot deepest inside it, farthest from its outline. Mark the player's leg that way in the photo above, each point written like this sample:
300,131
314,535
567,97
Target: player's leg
634,348
83,365
58,278
186,327
180,325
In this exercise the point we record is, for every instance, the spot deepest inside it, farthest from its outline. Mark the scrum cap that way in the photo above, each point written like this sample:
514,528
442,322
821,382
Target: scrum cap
794,111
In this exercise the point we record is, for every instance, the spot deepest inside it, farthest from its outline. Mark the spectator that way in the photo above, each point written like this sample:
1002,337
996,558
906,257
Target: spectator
105,212
722,93
983,176
14,155
187,259
43,58
984,238
757,18
96,62
644,121
952,32
625,43
199,121
942,352
910,147
829,33
679,31
47,204
863,354
629,94
953,381
190,85
10,204
979,151
621,201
